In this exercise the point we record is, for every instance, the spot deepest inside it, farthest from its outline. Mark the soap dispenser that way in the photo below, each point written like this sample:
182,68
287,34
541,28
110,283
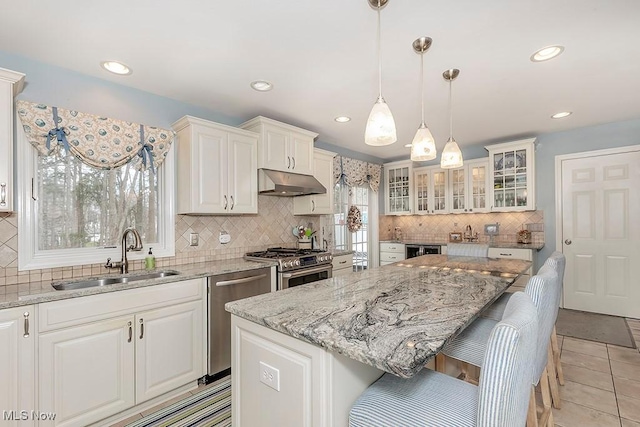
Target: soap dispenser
150,261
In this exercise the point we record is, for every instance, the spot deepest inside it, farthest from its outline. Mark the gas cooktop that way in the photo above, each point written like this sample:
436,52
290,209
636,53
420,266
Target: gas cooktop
292,258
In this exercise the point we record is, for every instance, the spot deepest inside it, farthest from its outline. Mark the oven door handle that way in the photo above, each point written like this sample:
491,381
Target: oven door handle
305,271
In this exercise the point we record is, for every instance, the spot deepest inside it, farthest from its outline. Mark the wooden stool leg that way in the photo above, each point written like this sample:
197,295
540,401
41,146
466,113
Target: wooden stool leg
556,356
532,416
440,362
546,419
553,381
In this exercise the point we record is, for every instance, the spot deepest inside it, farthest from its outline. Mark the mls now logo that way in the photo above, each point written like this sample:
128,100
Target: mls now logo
27,415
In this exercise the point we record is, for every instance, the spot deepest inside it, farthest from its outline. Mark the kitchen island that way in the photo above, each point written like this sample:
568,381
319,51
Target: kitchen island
302,356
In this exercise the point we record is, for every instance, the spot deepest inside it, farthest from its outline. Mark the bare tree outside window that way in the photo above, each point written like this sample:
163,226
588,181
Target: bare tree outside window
80,206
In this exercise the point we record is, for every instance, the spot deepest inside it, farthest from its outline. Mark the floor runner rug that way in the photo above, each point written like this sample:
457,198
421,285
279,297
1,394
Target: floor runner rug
209,408
594,327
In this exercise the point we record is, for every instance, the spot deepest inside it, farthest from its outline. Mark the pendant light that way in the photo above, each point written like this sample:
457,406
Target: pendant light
451,154
381,128
423,146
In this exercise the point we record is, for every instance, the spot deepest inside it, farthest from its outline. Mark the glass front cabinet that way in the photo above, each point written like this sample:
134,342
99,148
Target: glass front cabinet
468,186
398,185
511,175
431,186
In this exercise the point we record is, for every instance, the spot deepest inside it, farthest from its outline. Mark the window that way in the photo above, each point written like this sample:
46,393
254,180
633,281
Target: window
74,214
359,242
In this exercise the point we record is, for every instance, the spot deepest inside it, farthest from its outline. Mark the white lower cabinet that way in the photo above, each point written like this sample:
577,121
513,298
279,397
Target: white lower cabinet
391,252
516,253
17,365
138,345
342,265
86,373
169,349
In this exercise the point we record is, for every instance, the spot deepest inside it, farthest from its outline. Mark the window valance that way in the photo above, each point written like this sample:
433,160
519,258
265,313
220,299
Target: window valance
355,173
100,142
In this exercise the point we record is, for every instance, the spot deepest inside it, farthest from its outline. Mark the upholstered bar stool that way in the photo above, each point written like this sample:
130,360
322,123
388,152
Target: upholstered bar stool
557,261
469,346
468,249
433,399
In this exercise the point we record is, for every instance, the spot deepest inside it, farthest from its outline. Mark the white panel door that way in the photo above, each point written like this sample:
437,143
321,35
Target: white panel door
210,154
86,372
601,233
301,152
169,349
17,366
243,178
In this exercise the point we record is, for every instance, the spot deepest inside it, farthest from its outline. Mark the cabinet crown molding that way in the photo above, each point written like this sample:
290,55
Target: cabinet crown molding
14,77
265,120
502,145
190,120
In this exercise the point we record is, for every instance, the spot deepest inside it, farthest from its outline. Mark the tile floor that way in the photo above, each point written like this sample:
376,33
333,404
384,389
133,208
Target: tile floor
602,383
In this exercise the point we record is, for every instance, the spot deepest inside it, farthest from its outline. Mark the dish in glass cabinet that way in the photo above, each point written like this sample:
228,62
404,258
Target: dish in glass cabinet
497,161
521,160
508,161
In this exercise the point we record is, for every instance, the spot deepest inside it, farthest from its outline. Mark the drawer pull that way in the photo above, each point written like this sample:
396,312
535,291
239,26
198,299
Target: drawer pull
392,257
506,254
26,324
342,262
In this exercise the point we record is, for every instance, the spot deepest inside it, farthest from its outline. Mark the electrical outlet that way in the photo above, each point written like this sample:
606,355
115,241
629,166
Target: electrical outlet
194,239
270,376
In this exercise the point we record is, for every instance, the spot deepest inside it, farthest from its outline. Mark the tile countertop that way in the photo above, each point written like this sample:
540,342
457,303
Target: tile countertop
46,293
394,318
536,246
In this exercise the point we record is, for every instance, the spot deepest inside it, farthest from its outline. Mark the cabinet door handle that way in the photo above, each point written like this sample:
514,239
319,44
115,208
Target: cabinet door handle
3,194
34,197
26,324
294,162
130,324
288,162
232,202
141,328
225,202
342,262
506,254
313,206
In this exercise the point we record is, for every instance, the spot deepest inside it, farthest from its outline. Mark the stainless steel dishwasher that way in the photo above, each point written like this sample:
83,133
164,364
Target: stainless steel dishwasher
223,289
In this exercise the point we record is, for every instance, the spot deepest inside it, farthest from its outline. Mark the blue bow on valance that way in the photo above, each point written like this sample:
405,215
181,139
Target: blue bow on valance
145,152
59,133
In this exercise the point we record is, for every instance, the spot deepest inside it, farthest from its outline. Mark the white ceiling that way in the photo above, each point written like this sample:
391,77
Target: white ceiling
321,58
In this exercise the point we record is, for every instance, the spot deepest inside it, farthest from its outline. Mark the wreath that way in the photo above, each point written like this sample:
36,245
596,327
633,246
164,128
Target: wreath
354,219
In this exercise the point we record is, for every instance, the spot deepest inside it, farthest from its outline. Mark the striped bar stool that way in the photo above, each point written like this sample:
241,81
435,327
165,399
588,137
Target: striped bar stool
433,399
468,249
557,261
469,346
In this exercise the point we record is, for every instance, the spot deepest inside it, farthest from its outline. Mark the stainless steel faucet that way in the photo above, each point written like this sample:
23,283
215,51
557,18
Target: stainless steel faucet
123,265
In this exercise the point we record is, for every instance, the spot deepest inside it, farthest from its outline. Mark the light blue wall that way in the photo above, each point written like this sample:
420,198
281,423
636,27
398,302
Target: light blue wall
548,146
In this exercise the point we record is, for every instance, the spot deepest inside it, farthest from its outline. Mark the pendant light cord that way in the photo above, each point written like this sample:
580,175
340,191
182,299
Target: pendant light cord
450,110
422,85
379,56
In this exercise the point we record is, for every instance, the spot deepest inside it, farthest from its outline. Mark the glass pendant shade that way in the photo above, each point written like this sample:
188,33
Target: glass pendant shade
423,146
381,128
451,155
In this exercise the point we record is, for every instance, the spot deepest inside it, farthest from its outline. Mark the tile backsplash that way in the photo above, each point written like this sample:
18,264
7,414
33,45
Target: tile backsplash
436,228
272,226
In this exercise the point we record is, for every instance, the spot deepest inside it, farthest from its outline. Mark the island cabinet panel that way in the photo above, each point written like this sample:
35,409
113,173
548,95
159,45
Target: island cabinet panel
17,352
310,386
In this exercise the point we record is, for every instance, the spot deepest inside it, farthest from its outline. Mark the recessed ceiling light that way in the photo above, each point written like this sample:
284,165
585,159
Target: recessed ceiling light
261,85
116,67
342,119
561,114
407,145
546,53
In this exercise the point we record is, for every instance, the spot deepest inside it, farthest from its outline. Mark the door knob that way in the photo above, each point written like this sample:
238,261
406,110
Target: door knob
567,242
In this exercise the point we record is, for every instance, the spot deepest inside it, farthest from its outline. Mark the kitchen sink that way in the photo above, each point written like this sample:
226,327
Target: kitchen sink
92,283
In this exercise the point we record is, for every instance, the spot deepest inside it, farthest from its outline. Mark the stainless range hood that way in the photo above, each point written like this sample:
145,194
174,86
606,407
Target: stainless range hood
287,184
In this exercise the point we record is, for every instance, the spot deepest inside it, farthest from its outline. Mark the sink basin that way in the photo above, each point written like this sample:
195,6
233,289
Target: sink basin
92,283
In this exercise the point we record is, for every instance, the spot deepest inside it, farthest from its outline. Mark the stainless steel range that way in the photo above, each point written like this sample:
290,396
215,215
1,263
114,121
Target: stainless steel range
296,266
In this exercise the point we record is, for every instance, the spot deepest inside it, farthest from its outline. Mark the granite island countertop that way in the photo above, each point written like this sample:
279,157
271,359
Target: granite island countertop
44,292
394,318
504,245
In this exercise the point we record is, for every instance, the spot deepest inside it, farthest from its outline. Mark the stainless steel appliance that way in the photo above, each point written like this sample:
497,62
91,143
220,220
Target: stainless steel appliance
412,251
223,289
296,266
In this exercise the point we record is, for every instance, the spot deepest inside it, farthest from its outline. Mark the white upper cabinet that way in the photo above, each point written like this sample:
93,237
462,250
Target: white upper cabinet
398,185
281,146
431,189
217,168
318,204
512,175
11,84
468,187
